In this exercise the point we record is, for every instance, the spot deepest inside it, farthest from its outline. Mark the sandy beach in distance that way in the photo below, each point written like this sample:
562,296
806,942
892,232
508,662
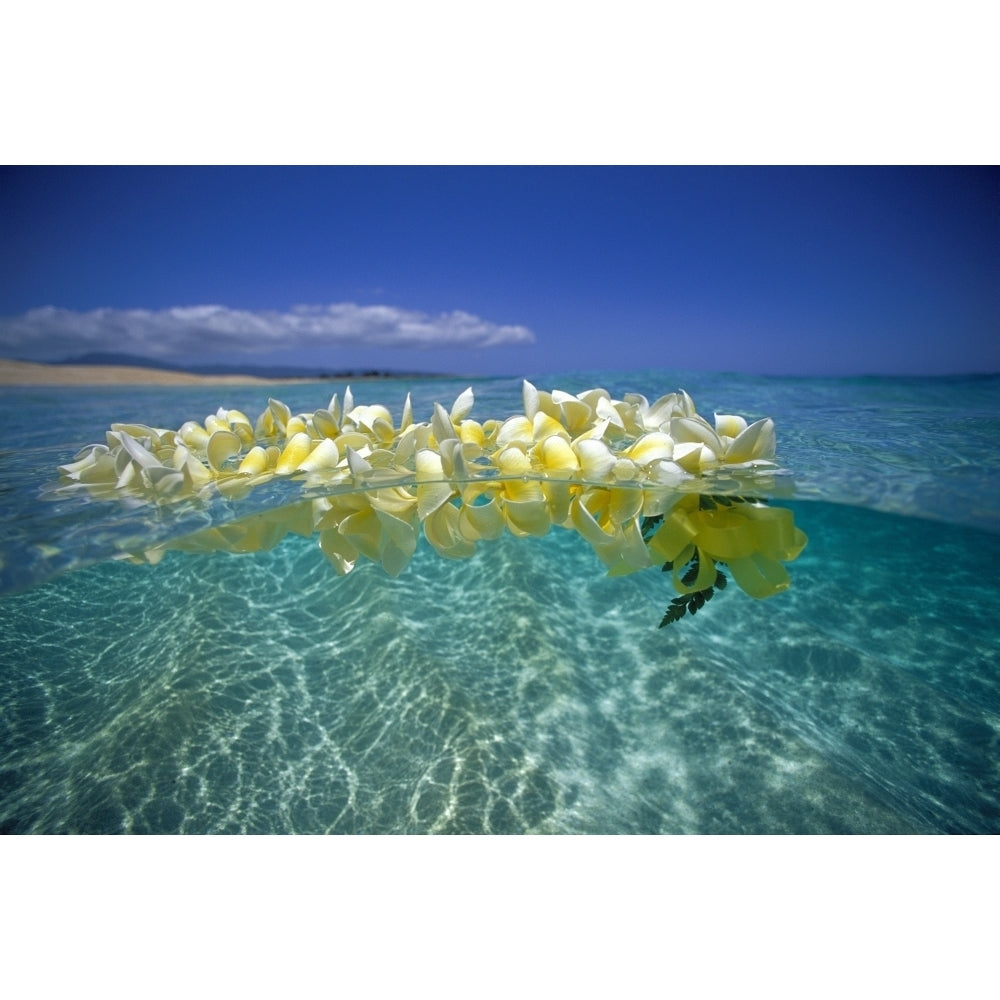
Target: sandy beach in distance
31,373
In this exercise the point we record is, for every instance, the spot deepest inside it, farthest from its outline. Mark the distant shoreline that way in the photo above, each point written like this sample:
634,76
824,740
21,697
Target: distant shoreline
27,373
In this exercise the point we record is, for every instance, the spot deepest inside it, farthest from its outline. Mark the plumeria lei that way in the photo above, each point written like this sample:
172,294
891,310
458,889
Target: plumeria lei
646,484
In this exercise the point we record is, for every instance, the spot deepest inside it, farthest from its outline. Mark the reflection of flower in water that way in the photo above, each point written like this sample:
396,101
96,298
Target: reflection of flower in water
605,468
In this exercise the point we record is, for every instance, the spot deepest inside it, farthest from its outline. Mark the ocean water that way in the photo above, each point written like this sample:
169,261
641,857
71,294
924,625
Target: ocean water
522,690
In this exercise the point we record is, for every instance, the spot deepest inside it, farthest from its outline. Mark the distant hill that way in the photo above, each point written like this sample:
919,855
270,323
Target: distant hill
111,358
257,371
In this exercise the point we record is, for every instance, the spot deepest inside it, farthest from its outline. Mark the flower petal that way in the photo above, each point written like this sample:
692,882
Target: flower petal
729,424
515,429
433,491
325,424
756,442
556,457
651,447
529,397
222,446
295,452
462,406
688,429
280,413
481,521
254,462
442,530
596,460
687,454
527,517
543,426
326,455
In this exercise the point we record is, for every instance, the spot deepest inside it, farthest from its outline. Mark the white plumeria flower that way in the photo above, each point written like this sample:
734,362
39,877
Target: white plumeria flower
698,445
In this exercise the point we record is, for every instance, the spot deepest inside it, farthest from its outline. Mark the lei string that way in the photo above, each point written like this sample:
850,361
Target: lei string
643,483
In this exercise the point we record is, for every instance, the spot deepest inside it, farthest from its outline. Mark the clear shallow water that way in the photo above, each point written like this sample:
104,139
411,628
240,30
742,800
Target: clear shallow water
520,691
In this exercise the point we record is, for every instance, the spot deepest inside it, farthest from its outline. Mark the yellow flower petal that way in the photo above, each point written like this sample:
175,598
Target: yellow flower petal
481,521
529,398
324,424
687,454
364,531
756,442
596,460
325,456
624,504
513,462
471,432
632,554
441,425
432,490
462,406
222,446
543,426
559,494
527,517
341,554
515,430
694,429
729,424
651,447
280,414
625,470
295,452
442,530
295,425
556,456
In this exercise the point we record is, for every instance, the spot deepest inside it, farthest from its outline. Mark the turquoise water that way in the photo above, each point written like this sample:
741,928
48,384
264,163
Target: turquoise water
521,690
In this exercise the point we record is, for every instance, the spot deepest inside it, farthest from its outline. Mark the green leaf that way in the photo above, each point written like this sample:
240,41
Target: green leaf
649,526
675,612
692,573
689,604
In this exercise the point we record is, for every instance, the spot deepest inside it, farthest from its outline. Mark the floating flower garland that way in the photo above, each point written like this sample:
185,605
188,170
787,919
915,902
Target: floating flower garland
644,483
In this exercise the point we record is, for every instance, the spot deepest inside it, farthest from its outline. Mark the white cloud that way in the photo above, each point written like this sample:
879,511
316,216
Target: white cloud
189,331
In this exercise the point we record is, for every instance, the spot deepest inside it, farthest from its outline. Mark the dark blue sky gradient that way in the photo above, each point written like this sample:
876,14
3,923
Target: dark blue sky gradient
782,271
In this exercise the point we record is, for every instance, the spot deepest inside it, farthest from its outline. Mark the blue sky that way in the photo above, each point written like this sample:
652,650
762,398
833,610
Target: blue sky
519,271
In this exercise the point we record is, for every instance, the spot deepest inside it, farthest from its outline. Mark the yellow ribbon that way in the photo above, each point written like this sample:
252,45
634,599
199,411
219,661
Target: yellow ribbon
752,539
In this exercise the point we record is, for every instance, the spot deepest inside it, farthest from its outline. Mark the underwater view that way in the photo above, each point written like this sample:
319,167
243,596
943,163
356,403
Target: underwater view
232,678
